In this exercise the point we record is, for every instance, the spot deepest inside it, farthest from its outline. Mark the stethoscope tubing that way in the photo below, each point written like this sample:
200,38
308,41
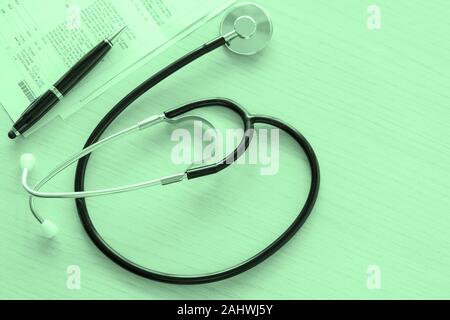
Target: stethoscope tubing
249,122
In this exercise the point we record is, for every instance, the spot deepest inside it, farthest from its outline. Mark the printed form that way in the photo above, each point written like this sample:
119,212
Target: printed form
42,39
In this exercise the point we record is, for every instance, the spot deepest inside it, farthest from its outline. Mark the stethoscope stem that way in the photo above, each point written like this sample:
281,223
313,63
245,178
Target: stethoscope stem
231,36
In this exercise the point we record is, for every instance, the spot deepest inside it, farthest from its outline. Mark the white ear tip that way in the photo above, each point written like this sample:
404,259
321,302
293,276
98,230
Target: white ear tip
49,229
27,160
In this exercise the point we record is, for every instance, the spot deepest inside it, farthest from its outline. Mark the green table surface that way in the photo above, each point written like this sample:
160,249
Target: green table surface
373,103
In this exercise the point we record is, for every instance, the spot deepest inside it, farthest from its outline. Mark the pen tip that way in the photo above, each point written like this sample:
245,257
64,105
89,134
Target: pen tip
116,33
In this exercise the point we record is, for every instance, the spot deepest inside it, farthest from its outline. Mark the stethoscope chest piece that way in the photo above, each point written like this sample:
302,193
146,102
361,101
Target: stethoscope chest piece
253,25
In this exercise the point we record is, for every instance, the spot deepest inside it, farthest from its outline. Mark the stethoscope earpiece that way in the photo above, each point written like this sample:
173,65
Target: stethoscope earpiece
48,228
27,161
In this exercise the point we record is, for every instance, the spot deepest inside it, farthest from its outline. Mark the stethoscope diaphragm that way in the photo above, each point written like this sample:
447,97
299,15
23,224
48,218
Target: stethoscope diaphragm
253,26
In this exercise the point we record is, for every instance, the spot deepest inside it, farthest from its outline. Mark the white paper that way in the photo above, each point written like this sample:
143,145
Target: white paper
42,39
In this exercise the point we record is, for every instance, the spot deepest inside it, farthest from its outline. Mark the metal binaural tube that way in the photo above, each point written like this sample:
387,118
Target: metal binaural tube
142,125
71,160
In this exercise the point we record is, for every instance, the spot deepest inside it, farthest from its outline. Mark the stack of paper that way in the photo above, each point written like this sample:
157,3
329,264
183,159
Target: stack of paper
42,39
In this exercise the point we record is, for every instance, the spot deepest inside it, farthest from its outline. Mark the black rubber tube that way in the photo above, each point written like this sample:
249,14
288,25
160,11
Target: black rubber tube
249,121
241,148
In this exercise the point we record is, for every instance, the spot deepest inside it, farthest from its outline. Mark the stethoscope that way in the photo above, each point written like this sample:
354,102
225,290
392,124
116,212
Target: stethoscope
246,30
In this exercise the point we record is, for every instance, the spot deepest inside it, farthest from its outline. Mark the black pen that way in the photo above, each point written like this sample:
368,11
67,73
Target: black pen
39,107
